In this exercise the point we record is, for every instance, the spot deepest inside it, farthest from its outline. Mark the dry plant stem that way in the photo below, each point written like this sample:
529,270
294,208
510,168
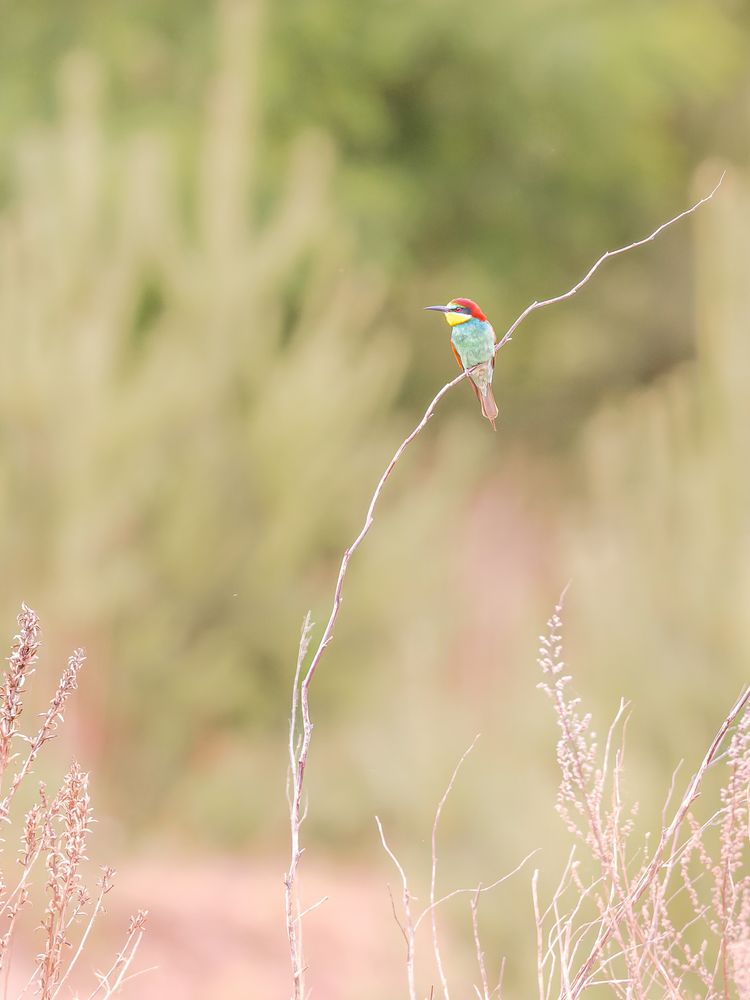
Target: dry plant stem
65,832
122,963
9,940
301,692
433,871
560,928
291,897
20,667
21,885
68,683
125,959
605,256
482,889
104,888
7,959
485,994
53,829
500,979
583,976
409,929
539,935
410,926
309,909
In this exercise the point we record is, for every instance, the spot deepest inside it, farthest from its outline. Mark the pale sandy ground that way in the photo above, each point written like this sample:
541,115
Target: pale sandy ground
216,932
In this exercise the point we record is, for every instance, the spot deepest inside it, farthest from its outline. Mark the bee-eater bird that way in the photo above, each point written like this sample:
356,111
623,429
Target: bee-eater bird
473,343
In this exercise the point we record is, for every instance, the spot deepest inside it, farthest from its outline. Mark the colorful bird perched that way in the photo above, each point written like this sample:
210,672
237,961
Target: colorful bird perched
473,343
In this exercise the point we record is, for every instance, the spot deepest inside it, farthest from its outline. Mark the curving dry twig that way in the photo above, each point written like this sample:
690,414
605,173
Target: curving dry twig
300,746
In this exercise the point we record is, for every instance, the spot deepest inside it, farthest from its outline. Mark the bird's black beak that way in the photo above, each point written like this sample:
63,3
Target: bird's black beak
440,309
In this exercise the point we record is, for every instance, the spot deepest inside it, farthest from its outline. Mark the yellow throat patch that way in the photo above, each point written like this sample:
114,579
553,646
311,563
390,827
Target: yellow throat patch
455,319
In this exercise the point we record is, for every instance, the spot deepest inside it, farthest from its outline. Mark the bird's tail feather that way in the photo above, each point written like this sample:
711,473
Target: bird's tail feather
489,406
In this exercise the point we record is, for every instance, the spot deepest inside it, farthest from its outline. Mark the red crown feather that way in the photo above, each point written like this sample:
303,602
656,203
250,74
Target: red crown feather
471,305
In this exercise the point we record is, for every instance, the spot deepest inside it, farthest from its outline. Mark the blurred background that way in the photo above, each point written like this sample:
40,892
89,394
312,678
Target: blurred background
218,225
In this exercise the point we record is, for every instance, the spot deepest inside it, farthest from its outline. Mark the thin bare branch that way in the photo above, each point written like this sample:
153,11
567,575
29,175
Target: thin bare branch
300,701
104,887
314,906
111,981
485,994
539,934
296,819
483,889
408,927
433,872
605,256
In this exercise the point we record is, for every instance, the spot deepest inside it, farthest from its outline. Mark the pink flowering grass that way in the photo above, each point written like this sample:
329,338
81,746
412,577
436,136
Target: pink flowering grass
633,915
53,838
668,917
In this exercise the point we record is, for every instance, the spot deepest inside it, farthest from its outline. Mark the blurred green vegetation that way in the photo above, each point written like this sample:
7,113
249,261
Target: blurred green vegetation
218,224
494,148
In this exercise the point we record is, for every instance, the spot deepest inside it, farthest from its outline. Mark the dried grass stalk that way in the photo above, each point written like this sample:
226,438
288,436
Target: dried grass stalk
301,726
671,921
54,830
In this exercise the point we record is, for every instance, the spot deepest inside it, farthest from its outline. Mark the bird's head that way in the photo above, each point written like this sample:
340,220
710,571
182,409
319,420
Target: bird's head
459,311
